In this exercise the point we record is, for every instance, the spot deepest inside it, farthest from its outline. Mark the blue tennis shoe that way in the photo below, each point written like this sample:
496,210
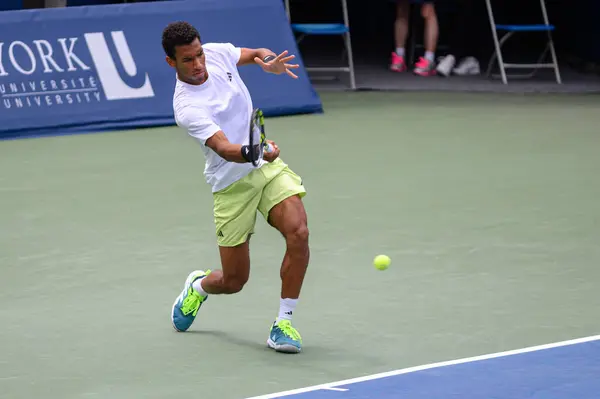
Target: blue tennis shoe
284,338
188,303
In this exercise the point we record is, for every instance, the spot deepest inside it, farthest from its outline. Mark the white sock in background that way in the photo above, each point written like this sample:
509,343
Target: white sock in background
400,51
429,55
286,308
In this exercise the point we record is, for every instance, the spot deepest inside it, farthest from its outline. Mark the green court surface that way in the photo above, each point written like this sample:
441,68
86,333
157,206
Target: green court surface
488,205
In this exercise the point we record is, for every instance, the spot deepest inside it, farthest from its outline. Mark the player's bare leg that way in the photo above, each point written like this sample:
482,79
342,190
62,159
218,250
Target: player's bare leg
289,217
235,262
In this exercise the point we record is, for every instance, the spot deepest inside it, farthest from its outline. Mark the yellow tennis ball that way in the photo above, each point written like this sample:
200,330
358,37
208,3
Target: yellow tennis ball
382,262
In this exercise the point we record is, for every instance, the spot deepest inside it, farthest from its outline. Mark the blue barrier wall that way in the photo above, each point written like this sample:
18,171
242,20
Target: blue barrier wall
96,68
77,3
11,5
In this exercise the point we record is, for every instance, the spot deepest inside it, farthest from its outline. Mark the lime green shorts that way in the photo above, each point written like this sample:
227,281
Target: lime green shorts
235,206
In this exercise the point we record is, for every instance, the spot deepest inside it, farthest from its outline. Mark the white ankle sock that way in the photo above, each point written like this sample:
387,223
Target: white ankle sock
429,55
197,285
400,51
286,308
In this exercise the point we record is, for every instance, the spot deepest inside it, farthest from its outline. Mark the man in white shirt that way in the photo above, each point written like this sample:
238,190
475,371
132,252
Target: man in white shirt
213,104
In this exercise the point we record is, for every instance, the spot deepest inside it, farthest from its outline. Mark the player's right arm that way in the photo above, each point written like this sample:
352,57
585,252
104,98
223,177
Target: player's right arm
219,143
200,125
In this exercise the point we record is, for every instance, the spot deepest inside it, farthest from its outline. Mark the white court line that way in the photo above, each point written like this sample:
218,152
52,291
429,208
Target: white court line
336,389
426,367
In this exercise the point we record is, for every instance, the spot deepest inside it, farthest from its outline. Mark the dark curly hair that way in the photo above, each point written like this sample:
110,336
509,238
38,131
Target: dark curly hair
178,34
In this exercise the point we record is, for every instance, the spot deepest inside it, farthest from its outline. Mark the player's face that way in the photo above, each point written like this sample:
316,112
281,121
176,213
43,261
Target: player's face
190,63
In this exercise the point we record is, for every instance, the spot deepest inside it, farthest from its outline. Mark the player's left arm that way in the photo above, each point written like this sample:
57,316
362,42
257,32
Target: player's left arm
276,64
248,55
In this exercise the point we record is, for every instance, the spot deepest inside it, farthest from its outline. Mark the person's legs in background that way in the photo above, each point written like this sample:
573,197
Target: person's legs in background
398,63
426,65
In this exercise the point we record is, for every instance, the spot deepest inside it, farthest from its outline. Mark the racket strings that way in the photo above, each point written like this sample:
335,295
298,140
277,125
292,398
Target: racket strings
257,140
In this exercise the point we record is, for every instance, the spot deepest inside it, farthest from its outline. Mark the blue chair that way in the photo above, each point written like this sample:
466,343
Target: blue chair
510,31
329,29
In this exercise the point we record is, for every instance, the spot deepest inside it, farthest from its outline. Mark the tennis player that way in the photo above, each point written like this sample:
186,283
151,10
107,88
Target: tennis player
213,104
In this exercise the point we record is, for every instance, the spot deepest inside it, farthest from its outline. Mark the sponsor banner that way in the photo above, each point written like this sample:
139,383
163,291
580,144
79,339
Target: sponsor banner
103,67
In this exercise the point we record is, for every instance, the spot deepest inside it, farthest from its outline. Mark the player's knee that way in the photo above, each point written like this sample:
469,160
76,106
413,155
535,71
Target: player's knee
298,237
234,284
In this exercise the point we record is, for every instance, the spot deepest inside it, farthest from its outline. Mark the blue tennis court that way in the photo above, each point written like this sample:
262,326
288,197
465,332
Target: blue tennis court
565,370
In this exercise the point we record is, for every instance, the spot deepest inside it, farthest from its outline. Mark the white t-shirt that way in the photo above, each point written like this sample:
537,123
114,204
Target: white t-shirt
221,103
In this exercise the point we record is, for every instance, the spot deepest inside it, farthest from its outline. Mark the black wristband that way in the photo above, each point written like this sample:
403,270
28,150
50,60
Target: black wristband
250,154
268,58
246,153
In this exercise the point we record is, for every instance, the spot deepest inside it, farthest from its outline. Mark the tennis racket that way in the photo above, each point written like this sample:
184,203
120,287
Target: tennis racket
257,137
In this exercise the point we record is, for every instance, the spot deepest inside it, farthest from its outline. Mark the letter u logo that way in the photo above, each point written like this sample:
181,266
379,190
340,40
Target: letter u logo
114,87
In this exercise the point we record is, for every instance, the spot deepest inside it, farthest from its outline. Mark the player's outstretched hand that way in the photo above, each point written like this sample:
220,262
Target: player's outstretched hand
279,64
271,156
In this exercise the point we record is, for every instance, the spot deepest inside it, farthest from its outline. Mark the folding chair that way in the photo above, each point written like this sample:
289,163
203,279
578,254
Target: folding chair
341,29
510,31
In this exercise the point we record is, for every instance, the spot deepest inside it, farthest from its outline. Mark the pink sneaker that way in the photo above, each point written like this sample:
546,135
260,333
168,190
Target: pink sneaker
424,67
397,64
